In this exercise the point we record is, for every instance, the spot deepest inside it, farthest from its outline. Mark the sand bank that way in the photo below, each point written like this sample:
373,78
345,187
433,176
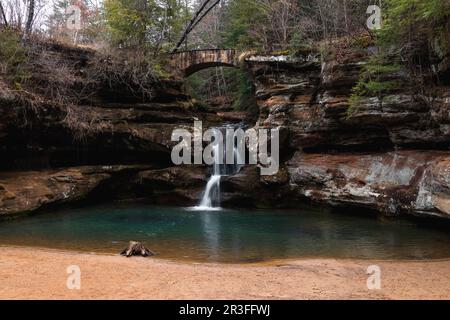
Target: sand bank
30,273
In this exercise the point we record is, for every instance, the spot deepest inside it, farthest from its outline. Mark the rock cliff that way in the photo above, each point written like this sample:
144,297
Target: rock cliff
113,142
390,155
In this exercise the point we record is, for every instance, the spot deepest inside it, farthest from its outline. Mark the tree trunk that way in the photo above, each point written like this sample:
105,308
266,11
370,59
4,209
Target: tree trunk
30,17
2,13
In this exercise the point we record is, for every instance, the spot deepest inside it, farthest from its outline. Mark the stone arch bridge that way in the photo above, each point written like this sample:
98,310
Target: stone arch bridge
189,62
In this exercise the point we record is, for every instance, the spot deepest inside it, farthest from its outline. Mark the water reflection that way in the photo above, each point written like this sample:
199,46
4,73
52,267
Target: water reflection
211,232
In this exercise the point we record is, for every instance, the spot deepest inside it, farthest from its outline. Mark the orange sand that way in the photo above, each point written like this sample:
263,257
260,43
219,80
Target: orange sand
29,273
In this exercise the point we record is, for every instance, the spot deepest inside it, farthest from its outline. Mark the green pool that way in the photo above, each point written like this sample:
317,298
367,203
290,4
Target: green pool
228,235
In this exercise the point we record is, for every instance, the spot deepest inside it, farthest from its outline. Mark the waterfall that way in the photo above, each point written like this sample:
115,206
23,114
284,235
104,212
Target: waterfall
211,196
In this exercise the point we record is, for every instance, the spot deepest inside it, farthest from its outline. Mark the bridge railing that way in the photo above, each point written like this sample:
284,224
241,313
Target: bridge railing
198,50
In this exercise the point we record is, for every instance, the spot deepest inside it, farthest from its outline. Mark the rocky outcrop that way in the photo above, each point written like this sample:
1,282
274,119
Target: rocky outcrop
311,100
376,153
111,133
22,192
389,154
97,115
181,185
106,137
415,182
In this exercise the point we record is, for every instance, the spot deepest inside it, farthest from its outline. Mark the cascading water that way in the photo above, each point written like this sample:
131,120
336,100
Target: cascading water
211,196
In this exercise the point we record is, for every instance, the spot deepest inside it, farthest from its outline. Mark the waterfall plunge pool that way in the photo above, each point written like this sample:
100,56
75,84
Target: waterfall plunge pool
227,235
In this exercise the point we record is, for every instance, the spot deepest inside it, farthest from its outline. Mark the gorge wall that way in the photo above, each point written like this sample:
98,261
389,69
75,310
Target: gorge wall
110,144
390,155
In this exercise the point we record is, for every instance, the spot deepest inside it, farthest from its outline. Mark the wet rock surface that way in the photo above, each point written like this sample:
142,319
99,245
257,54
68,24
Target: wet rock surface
182,185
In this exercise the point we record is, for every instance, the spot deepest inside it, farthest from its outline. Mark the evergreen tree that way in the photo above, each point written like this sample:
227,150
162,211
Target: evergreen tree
145,23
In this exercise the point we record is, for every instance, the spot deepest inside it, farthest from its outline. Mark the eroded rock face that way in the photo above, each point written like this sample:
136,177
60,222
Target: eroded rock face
311,100
22,192
414,182
91,135
181,185
115,126
92,119
331,153
342,154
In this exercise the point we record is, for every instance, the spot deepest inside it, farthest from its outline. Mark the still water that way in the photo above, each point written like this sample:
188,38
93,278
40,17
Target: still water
227,235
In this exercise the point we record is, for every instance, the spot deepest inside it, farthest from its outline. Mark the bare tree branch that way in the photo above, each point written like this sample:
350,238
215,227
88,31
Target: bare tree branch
204,15
2,12
198,16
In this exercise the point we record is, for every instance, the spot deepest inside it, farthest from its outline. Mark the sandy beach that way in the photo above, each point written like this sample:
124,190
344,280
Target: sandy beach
30,273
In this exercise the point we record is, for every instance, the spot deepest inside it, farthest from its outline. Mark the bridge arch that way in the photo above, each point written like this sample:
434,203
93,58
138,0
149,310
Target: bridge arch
189,62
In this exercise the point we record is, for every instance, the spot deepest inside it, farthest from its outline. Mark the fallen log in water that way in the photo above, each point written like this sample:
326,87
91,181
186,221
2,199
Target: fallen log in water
136,249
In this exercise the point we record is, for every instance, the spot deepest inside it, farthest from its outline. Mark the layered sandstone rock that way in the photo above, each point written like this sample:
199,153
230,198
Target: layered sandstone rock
181,185
390,155
80,110
22,192
311,100
414,182
345,155
56,150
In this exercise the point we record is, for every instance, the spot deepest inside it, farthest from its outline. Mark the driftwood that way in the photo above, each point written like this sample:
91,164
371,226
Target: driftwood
136,249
